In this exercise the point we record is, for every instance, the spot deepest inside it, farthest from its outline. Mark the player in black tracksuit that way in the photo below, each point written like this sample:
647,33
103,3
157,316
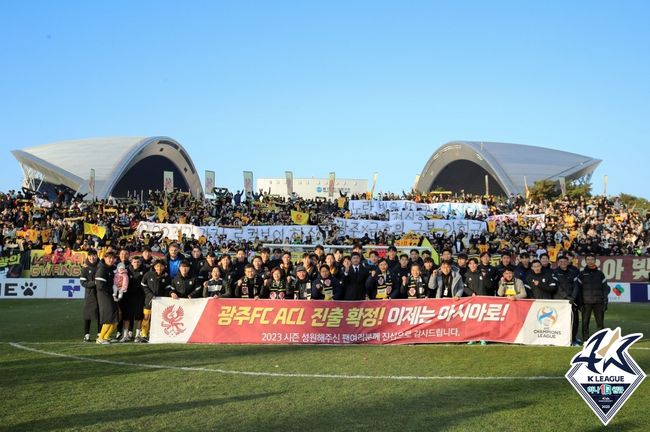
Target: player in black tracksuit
184,285
133,301
565,276
91,307
206,270
475,284
155,283
541,284
591,291
108,315
489,274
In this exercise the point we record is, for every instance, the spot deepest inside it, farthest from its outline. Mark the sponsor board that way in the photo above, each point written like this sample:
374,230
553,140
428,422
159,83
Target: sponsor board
40,288
619,292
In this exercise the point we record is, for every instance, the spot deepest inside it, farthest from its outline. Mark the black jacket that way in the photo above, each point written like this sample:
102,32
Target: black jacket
522,272
543,286
565,284
326,289
382,285
489,278
135,291
475,283
354,283
155,285
87,279
591,286
186,287
104,283
204,272
251,288
414,288
196,264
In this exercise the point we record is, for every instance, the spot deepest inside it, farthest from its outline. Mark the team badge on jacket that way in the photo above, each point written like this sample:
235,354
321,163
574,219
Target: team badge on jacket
604,373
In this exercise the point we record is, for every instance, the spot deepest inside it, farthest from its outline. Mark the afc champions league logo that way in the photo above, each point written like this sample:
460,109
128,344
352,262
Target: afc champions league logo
172,320
604,373
547,316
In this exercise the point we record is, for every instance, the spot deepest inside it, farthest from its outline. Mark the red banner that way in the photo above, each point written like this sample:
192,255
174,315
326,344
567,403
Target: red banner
546,322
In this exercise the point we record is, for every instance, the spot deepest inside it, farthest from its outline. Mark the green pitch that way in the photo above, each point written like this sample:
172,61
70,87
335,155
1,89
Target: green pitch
200,387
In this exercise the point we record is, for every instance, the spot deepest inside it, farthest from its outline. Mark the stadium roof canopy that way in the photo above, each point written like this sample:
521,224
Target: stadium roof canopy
121,164
464,164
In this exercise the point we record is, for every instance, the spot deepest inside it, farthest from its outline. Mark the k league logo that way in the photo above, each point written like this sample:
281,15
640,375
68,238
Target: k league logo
604,373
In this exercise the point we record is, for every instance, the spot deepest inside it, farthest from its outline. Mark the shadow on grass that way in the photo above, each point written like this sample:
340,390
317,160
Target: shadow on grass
108,416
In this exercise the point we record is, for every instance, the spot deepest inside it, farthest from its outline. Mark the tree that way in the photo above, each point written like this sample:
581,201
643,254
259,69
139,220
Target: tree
576,189
639,204
544,190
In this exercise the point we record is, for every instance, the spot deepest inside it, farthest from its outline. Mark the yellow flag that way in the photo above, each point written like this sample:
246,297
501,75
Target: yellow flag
341,202
45,235
299,218
434,253
161,214
552,253
95,230
33,235
492,226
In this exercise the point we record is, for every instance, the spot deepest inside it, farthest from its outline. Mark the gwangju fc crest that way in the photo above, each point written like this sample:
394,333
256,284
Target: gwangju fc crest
604,373
172,320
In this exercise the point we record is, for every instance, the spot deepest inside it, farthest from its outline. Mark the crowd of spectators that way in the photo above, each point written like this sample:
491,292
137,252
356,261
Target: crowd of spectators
599,225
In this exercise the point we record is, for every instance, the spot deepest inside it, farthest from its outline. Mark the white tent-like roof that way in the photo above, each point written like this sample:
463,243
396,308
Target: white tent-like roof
70,162
506,164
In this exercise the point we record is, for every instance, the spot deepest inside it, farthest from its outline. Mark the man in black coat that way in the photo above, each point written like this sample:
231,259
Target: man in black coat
354,279
206,269
591,291
489,274
91,308
542,285
566,276
196,261
184,285
474,282
108,315
155,283
132,303
381,284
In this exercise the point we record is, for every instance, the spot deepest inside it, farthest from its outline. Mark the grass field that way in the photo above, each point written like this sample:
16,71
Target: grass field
109,388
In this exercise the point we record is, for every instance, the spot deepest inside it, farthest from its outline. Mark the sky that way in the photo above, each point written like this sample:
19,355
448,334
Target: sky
317,86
